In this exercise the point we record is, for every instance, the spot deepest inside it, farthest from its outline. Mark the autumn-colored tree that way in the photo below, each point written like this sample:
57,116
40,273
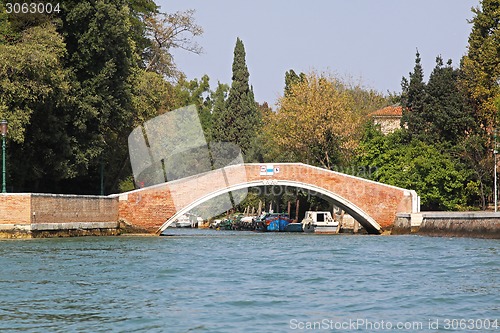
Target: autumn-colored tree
317,121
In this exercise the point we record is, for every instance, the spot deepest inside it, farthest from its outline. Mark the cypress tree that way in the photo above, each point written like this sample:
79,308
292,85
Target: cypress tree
239,120
413,100
219,97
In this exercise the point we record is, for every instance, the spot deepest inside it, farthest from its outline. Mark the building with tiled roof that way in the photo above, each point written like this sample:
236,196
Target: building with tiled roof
389,118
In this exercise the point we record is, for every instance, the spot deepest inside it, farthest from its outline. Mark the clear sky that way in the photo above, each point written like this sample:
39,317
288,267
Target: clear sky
374,41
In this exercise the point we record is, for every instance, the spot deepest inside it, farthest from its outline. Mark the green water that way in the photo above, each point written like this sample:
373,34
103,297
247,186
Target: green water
215,281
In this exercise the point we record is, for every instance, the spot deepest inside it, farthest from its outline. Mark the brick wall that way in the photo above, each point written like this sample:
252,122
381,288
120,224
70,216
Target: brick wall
48,208
146,209
15,208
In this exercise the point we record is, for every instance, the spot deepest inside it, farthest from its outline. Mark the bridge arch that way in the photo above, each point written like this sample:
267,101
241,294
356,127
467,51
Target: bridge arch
361,216
374,205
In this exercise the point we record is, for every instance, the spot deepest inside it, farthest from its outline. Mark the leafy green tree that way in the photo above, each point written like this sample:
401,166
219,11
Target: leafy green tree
481,65
239,121
20,21
475,153
442,181
479,82
151,95
34,92
258,145
140,11
102,57
438,110
74,84
195,92
448,116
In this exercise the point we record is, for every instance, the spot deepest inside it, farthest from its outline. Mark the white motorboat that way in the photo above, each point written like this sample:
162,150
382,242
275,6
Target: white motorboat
183,222
319,223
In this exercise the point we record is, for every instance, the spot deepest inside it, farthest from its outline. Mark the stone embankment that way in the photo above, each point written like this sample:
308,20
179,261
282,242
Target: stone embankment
449,224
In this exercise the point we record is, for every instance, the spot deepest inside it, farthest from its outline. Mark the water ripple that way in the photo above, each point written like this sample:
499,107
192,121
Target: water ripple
208,281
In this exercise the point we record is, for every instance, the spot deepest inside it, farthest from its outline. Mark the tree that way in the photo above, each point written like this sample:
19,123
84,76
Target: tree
219,97
317,122
441,180
140,11
34,93
413,100
481,66
168,32
151,95
6,32
447,116
74,84
476,155
102,57
292,78
479,82
438,110
239,120
195,92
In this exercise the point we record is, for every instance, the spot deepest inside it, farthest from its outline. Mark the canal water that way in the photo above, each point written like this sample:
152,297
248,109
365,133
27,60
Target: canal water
224,281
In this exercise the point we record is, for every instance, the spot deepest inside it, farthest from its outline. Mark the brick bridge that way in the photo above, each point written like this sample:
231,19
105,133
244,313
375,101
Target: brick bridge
374,205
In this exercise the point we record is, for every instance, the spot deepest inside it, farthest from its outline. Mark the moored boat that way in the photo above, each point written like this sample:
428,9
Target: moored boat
319,222
183,222
294,227
272,222
277,222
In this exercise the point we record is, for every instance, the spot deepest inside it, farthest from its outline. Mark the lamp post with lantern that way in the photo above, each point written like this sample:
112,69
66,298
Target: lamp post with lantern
3,130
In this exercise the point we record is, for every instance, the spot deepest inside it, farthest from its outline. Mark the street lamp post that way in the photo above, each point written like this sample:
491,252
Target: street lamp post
3,129
495,170
496,195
